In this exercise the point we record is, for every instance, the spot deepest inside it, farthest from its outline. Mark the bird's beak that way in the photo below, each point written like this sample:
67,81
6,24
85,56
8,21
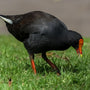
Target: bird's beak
79,50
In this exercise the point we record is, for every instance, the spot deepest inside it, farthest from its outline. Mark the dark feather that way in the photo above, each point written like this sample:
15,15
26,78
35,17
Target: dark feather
40,32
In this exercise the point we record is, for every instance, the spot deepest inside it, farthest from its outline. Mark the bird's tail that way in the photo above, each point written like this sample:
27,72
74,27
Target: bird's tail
6,19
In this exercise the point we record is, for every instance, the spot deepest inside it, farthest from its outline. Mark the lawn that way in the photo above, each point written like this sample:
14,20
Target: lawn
15,65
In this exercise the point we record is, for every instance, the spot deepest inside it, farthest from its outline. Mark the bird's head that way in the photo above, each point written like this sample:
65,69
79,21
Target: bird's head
76,42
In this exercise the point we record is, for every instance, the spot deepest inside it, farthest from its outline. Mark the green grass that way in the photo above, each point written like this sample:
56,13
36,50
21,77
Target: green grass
15,64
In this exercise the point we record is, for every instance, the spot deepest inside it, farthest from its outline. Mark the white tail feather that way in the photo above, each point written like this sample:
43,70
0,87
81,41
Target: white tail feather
7,20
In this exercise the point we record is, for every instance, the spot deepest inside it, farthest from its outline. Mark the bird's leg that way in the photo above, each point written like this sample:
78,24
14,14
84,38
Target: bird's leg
50,63
32,63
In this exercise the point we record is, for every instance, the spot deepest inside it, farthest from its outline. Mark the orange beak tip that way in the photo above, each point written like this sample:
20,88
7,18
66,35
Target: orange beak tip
81,55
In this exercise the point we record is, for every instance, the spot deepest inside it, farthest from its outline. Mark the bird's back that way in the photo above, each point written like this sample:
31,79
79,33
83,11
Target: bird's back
46,32
42,23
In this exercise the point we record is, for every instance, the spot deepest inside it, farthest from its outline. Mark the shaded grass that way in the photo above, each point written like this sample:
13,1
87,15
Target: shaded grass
15,65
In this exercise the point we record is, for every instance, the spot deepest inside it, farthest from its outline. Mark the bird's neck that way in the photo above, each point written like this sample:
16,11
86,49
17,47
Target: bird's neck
71,37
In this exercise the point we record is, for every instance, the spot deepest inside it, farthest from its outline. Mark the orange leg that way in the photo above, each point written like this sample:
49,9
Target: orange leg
32,63
50,63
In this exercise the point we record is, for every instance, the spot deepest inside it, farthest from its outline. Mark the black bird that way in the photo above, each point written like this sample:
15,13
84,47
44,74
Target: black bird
41,32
